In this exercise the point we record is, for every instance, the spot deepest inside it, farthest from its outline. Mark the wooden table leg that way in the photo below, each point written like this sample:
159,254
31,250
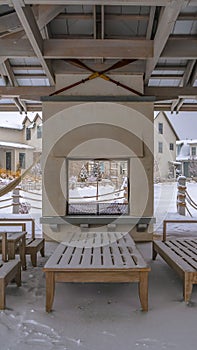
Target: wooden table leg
22,253
143,290
50,290
187,287
11,250
2,294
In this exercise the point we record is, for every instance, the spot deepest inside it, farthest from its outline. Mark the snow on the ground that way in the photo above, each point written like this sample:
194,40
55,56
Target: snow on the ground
165,209
103,316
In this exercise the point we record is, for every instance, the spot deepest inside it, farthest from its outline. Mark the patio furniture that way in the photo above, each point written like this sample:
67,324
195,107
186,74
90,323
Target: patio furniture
33,245
97,257
9,270
181,255
16,243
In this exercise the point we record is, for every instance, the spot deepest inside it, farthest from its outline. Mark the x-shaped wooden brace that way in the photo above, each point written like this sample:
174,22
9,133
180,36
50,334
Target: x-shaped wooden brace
101,74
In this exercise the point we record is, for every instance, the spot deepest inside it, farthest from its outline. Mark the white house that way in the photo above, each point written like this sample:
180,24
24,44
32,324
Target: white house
165,138
187,157
16,149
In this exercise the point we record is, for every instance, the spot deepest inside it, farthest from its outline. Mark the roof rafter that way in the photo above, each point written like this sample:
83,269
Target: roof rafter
164,29
30,26
13,82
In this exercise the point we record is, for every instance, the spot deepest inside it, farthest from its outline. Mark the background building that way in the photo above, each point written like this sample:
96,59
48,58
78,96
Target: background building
165,137
20,144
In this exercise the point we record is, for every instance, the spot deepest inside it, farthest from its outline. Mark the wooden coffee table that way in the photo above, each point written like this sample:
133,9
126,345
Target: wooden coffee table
97,257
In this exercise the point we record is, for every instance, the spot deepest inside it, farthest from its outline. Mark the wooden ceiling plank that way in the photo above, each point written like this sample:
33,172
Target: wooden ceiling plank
29,24
150,22
47,13
9,22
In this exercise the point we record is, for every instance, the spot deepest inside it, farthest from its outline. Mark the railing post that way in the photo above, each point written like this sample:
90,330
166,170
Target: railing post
16,200
181,205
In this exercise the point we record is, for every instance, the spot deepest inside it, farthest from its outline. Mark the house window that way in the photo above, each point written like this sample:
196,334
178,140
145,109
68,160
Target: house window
160,147
193,151
160,128
28,134
97,187
39,131
171,146
22,160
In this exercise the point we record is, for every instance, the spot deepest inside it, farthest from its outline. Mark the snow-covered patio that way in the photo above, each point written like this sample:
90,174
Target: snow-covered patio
105,316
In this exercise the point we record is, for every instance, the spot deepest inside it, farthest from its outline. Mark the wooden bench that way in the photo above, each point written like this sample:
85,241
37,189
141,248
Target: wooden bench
181,255
33,244
94,258
9,270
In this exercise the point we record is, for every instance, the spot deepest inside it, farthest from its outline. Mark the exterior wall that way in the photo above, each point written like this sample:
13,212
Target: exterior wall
34,142
19,136
12,135
161,160
187,159
97,129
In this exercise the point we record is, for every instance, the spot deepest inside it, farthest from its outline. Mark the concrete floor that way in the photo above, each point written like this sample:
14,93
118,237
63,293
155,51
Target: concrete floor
99,316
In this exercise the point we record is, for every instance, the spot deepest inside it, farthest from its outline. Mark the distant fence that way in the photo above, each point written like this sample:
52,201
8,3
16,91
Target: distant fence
184,198
22,200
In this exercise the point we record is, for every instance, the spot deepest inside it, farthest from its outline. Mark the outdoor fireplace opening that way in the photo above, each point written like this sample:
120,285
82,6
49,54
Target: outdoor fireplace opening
97,187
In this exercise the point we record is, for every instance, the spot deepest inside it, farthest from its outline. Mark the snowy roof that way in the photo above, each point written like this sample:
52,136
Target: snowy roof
192,142
11,121
15,145
185,150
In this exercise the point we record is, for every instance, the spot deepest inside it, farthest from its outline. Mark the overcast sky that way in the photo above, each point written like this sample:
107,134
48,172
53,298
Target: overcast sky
15,118
184,123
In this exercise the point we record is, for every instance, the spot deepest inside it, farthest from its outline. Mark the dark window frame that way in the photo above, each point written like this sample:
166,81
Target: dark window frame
28,134
22,160
160,128
171,146
39,131
110,209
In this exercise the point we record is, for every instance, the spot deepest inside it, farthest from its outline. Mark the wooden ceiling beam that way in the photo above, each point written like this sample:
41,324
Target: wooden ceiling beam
91,49
93,2
169,93
35,92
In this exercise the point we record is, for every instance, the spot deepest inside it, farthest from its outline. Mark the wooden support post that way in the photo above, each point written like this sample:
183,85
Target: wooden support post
181,195
16,201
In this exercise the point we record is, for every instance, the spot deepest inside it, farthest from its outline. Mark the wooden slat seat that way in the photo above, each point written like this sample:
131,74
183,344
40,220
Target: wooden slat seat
33,244
181,255
9,270
98,258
